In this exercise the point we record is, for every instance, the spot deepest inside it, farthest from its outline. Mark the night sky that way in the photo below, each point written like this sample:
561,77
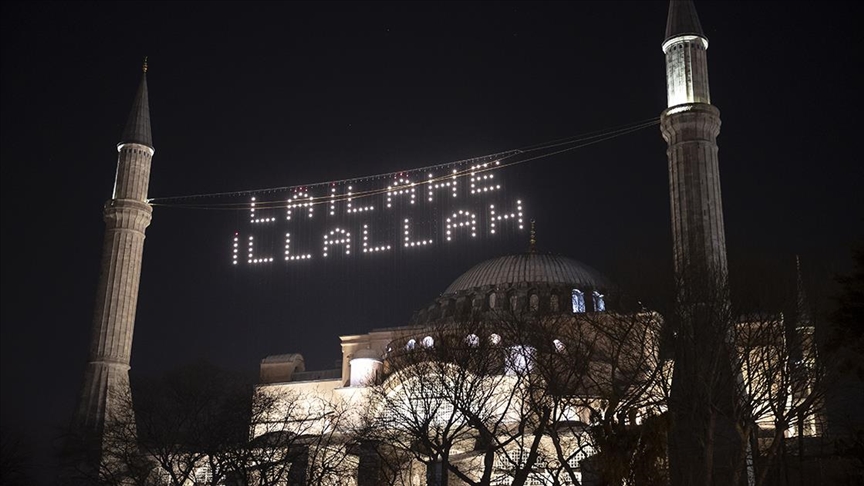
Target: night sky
259,95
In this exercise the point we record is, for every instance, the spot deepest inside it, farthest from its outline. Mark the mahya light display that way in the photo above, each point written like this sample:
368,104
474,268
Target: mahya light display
462,201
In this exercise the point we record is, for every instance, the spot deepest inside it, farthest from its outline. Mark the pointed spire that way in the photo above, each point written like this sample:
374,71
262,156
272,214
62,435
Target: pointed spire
138,126
532,243
800,297
682,20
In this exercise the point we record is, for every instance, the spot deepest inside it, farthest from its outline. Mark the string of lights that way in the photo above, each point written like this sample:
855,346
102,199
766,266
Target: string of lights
456,170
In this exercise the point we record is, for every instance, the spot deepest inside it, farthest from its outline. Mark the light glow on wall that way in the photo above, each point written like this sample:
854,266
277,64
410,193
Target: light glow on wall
364,371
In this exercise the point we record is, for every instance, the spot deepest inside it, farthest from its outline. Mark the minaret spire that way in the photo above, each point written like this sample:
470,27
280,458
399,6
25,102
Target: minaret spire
138,124
683,20
803,318
126,215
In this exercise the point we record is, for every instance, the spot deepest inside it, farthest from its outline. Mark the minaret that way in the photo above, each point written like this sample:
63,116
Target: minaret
690,125
126,217
704,447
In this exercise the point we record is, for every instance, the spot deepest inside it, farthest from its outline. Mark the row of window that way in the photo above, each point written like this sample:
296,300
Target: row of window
577,302
473,341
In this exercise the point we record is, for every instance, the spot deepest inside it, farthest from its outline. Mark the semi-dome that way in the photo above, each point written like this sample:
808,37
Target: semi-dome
529,268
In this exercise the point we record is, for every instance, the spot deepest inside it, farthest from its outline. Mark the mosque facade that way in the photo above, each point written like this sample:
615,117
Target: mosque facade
499,378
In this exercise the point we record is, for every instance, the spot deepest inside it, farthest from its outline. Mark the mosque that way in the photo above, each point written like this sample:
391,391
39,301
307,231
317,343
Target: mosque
492,328
503,318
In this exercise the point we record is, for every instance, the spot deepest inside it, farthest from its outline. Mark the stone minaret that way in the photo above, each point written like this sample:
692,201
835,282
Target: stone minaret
704,447
126,216
690,125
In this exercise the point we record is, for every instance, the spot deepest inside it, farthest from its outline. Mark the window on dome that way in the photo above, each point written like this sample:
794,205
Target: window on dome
534,302
553,303
410,345
599,303
428,342
494,339
578,301
492,300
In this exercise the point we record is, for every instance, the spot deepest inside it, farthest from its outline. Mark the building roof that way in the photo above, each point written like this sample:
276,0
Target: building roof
282,358
138,125
682,20
530,268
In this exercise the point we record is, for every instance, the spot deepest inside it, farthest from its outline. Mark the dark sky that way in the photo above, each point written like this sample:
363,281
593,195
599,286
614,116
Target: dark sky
259,95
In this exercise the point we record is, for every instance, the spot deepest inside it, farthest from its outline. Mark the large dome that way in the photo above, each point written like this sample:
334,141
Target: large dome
531,268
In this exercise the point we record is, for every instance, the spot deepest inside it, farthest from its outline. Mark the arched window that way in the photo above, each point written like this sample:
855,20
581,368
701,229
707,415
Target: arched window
578,301
472,340
492,300
495,339
534,302
428,342
559,346
410,345
553,303
599,303
514,301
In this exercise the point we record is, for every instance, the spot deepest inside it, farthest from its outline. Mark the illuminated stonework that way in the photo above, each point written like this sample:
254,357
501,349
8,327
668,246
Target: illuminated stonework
690,125
686,70
368,359
126,216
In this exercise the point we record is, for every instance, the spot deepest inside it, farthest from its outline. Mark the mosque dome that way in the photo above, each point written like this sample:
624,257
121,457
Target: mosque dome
527,283
530,269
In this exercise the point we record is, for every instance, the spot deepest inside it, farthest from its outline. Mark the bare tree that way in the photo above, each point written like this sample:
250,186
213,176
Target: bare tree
298,438
451,400
598,387
199,425
780,390
518,396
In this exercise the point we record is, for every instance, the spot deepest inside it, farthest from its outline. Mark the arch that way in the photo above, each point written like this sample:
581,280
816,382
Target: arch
577,301
534,302
599,301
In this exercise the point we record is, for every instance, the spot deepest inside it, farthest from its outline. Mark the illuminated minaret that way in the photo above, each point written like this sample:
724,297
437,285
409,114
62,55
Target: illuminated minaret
126,217
690,125
704,447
